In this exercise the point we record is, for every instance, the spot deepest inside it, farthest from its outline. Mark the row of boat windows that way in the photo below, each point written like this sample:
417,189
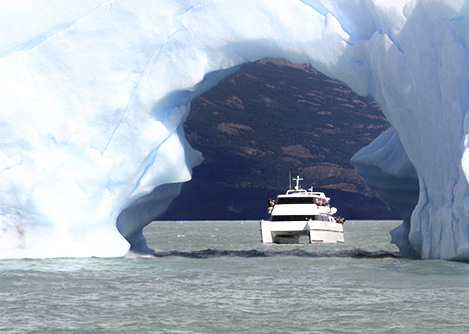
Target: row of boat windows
297,200
298,218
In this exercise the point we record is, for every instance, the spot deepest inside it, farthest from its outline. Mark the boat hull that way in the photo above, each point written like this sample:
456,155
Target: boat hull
290,232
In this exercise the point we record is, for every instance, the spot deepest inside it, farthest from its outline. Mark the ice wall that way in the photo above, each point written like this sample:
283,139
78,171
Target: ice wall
93,95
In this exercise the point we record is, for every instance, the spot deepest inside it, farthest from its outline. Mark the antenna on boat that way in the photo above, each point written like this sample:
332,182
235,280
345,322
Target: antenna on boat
289,179
297,179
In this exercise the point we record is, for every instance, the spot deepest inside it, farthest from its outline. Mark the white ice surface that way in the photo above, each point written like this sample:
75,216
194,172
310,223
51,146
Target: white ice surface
93,95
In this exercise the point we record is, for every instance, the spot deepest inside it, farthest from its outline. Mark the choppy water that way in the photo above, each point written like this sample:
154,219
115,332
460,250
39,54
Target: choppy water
216,277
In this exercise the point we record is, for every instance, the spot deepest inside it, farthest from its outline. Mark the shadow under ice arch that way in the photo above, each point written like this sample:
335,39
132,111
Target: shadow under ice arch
95,132
325,46
373,60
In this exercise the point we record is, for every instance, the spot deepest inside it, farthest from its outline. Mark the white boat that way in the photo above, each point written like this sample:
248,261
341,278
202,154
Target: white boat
300,214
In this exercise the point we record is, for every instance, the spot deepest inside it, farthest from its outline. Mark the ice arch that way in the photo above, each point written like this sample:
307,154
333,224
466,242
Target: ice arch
93,95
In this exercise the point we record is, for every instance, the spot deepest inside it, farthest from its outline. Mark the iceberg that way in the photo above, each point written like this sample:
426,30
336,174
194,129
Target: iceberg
94,95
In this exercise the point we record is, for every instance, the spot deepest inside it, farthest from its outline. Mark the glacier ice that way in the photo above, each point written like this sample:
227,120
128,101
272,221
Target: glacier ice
93,95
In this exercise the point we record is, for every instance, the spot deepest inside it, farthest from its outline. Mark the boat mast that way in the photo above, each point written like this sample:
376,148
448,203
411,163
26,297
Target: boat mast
297,179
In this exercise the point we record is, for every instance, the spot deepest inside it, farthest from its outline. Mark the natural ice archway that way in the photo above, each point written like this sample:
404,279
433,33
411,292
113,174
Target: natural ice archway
93,96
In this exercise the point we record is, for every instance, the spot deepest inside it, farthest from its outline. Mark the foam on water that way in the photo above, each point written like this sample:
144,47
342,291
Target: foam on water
273,291
214,253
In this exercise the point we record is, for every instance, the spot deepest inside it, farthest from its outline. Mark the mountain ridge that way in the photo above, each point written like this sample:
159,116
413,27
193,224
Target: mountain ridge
269,118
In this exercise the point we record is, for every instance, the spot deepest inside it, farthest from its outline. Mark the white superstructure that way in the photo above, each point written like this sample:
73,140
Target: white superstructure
300,213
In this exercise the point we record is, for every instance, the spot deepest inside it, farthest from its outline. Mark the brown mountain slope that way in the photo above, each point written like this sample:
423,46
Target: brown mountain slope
267,119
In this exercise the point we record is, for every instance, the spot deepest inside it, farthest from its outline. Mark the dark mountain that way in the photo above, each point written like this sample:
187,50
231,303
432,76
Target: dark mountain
269,118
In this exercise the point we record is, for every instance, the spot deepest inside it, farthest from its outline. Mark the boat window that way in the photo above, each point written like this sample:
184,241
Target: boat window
295,200
293,218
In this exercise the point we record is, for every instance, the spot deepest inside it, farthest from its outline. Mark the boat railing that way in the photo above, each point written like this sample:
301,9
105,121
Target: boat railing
299,191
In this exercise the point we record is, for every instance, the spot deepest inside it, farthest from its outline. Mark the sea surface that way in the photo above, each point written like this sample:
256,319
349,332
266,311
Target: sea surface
216,277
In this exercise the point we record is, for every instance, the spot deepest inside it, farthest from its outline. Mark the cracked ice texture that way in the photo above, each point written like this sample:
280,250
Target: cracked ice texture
93,95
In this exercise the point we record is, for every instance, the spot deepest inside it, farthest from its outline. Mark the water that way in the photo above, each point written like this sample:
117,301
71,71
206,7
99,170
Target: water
216,277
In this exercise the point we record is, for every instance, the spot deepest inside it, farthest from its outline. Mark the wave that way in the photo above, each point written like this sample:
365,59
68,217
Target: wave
214,253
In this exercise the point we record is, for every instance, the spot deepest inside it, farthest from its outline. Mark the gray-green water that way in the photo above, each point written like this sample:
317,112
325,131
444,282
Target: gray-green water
216,277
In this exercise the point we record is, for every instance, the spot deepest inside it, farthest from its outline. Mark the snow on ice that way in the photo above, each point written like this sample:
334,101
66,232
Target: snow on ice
93,95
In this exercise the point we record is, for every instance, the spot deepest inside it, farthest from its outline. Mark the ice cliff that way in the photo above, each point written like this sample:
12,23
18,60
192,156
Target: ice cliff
93,95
